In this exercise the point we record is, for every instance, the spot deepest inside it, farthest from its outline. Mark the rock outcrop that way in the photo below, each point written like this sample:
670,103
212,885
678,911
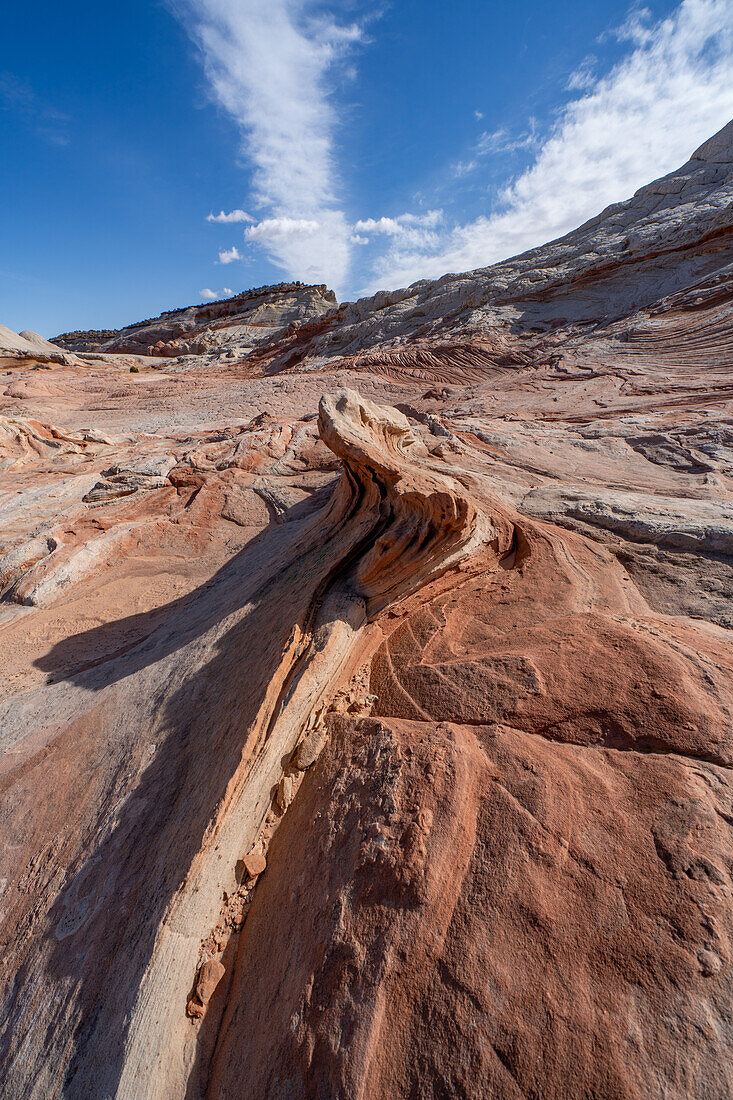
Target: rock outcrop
672,236
367,710
231,327
29,348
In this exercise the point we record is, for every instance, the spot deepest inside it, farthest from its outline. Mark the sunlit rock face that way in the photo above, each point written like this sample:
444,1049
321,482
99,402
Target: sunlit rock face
366,709
227,329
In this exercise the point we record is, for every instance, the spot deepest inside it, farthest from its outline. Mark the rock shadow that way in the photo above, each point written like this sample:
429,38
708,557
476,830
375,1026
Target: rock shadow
198,683
103,648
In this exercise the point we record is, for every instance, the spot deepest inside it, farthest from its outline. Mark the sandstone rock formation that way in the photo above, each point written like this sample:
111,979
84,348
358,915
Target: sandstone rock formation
366,717
28,347
231,327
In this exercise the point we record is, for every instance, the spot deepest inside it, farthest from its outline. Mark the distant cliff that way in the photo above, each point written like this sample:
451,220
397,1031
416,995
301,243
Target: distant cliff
238,323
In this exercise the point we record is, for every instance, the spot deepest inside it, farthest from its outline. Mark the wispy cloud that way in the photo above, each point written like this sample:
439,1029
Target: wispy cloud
229,255
492,142
501,141
583,78
232,216
464,168
208,295
636,28
275,230
269,63
671,90
18,97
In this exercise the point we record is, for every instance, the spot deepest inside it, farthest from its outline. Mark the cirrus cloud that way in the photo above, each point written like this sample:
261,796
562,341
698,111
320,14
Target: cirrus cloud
268,63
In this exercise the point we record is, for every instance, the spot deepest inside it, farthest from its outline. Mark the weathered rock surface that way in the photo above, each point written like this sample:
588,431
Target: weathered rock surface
351,750
229,328
27,346
488,914
671,240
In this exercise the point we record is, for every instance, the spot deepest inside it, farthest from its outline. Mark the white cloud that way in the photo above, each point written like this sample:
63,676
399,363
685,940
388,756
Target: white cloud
636,27
208,295
583,78
478,115
229,255
492,142
672,90
232,216
277,230
464,168
501,141
400,226
228,291
267,62
390,226
412,232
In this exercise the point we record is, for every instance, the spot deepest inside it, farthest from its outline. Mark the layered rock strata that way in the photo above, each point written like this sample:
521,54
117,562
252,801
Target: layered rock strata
230,327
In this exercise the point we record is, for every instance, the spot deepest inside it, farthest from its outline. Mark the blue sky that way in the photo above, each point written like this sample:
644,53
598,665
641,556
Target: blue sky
363,145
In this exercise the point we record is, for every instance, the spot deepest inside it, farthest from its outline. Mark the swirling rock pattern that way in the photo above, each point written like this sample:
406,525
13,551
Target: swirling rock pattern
425,521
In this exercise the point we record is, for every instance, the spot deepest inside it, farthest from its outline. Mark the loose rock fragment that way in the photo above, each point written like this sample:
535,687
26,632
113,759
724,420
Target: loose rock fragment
285,792
310,749
209,976
254,864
